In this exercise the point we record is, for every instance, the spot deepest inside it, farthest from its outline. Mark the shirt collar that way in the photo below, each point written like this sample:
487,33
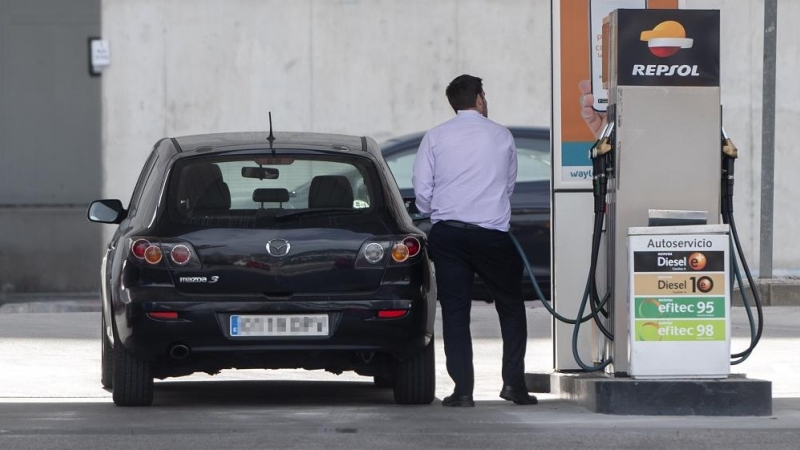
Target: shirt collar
468,111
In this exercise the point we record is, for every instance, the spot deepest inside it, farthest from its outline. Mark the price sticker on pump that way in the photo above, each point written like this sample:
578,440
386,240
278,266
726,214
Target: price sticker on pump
679,288
679,302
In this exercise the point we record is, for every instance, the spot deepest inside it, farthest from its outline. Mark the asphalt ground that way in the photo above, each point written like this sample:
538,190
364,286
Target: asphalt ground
50,397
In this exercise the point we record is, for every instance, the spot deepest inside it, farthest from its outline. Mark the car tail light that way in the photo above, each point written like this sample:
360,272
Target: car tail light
153,254
400,252
139,246
180,254
395,249
413,246
152,250
163,315
392,313
373,252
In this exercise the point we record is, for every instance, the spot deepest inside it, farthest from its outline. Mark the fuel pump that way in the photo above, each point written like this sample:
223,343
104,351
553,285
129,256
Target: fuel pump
659,150
603,165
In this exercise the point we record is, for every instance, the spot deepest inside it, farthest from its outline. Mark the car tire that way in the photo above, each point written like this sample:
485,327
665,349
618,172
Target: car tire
415,378
383,381
133,379
106,358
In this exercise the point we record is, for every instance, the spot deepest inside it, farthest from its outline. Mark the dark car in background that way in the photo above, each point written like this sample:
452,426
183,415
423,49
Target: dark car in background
218,262
530,202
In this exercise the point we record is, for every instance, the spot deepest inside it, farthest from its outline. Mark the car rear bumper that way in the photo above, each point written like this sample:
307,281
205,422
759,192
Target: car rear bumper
203,327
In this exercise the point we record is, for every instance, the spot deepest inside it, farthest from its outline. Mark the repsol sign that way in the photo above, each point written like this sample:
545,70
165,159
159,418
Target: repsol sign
657,70
665,47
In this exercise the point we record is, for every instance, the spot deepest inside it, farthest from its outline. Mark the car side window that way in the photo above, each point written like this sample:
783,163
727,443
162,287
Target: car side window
143,177
533,159
402,166
533,162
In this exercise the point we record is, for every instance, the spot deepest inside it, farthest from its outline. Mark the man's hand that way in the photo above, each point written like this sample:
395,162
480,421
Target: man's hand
596,121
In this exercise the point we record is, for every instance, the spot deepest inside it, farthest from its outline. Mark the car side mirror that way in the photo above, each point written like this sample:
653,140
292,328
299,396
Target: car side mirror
106,211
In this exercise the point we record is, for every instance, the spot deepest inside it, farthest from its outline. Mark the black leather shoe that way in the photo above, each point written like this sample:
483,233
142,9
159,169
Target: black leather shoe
518,396
458,400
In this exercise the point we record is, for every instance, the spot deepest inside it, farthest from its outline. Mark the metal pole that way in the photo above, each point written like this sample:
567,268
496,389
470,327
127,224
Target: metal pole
768,138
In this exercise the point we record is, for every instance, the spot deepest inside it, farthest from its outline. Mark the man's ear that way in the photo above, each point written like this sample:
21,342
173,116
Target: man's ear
479,101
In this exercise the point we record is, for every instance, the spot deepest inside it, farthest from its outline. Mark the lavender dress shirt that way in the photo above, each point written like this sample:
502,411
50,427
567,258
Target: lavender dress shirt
465,170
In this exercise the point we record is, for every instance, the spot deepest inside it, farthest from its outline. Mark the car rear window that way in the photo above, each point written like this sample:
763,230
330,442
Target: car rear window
252,191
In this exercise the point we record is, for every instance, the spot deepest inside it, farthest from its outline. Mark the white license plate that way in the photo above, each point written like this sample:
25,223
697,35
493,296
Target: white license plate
280,325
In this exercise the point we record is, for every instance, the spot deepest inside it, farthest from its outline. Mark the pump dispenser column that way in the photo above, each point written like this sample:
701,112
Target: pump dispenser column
664,101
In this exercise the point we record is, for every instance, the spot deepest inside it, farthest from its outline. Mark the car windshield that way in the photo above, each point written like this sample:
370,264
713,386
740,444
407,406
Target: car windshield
251,191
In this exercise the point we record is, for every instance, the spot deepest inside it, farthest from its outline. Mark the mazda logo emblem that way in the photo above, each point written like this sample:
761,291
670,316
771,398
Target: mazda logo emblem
278,247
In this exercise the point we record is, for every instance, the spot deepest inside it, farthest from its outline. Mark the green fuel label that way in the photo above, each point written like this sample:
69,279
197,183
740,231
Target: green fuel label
680,307
654,330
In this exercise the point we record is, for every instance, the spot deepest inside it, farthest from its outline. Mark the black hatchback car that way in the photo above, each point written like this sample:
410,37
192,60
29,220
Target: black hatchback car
245,250
530,202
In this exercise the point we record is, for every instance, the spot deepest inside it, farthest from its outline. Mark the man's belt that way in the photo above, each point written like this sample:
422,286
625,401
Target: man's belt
458,224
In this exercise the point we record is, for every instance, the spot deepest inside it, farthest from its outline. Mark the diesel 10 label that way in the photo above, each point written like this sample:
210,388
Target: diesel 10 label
667,284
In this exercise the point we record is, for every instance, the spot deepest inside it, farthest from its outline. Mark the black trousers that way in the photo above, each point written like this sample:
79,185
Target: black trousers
458,254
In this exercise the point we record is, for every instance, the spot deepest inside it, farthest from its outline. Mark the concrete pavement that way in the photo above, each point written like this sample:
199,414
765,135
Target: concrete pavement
49,385
775,358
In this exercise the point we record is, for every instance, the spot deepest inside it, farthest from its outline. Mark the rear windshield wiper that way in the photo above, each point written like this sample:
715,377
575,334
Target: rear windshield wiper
315,211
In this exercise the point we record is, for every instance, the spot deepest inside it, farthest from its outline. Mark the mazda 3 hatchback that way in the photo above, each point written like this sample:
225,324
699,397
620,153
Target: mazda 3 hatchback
245,250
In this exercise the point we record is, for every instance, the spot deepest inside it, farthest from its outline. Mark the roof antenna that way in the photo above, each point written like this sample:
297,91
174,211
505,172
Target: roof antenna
271,137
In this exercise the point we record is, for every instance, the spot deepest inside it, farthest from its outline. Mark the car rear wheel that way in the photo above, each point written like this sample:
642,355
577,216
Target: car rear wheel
415,378
107,357
133,379
383,381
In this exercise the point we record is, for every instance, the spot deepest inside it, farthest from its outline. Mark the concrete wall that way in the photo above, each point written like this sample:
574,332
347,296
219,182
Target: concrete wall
379,67
50,150
741,62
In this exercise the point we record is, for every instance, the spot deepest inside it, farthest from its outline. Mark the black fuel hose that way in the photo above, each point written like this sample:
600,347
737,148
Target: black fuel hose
597,230
742,356
538,289
596,234
729,155
600,161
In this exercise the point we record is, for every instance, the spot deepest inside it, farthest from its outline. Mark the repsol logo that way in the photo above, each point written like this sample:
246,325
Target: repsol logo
663,70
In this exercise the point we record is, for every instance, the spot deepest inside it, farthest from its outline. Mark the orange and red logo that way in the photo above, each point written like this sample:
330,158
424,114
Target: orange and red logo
697,261
666,39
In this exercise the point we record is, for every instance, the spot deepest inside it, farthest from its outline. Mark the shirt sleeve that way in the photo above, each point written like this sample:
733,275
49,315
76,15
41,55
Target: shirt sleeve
422,178
512,166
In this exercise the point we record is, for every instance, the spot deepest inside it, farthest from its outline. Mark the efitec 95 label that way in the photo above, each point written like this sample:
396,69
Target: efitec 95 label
679,307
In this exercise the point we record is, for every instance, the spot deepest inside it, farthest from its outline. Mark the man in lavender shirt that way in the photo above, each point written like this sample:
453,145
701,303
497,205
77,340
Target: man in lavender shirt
464,174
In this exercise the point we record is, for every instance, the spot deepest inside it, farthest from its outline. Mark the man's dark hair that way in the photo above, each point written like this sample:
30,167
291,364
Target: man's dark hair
463,91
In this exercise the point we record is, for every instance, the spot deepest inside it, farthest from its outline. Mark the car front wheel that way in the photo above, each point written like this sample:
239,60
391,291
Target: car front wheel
415,378
133,379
